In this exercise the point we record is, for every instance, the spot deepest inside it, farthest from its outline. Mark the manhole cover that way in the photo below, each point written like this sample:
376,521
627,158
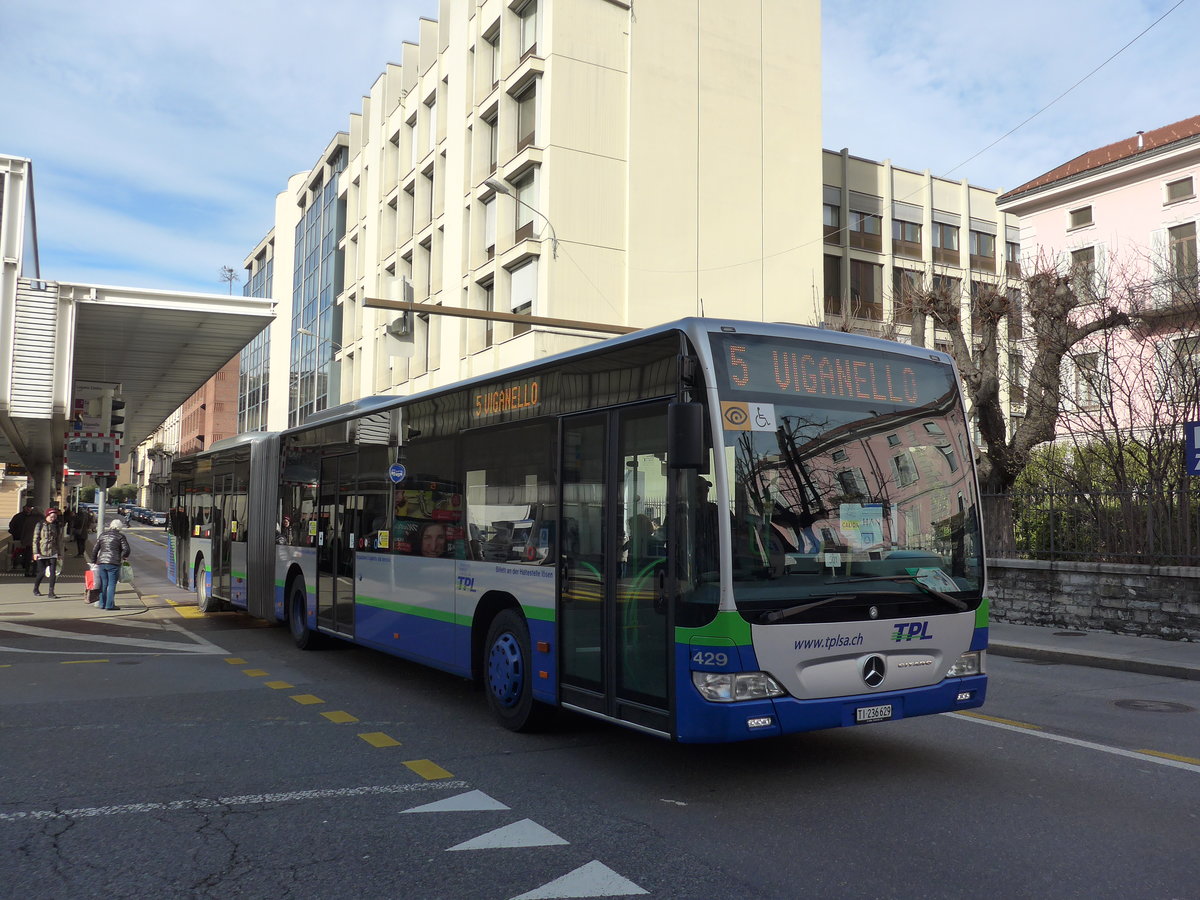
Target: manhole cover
1154,706
1070,634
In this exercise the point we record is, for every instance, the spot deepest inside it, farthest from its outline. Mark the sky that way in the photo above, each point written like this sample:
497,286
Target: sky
162,131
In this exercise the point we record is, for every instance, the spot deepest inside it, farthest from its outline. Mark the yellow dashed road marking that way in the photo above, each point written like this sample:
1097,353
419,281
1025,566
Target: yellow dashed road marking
255,673
379,739
75,662
339,716
428,770
189,612
1015,724
306,699
1186,759
235,660
278,685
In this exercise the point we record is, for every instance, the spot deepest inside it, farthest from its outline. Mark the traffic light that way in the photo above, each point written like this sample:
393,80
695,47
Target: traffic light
116,422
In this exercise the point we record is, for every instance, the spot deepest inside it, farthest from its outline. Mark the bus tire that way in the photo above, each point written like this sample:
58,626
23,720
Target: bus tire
205,601
297,617
508,674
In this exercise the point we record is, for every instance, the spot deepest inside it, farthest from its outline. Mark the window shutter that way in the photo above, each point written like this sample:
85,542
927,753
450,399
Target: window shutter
524,284
1160,269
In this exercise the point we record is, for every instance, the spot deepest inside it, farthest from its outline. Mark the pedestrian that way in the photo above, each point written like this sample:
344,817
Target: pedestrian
81,524
110,550
49,538
33,516
16,528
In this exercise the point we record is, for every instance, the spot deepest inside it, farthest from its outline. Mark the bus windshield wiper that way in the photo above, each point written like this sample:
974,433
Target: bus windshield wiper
779,614
910,579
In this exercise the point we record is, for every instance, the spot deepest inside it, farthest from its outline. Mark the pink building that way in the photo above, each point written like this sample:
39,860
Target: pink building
1120,220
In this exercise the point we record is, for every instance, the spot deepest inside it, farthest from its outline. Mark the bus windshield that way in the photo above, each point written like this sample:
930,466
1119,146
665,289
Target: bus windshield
850,481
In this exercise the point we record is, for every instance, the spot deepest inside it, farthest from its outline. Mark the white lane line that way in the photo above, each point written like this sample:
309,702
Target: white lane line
1088,745
243,800
35,631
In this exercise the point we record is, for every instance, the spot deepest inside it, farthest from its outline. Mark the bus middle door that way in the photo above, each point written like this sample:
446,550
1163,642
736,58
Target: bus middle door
335,544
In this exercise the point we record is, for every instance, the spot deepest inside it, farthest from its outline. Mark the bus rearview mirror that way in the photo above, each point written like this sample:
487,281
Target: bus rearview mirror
685,435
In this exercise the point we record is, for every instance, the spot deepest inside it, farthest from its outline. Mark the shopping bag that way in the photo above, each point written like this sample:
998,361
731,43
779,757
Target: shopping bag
89,579
126,576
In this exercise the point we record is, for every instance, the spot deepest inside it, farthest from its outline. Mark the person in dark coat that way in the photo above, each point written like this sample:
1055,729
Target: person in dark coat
81,524
110,550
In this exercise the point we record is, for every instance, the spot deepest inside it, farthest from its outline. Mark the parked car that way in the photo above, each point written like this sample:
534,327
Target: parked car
158,518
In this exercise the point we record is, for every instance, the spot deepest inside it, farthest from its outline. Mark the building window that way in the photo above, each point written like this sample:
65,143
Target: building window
906,238
431,106
493,42
833,285
906,285
1083,271
1016,324
866,230
493,139
1182,247
489,304
528,15
1180,189
1080,218
866,290
527,117
904,470
489,227
947,286
852,482
832,220
1012,259
525,190
523,291
945,243
1016,379
1088,386
983,251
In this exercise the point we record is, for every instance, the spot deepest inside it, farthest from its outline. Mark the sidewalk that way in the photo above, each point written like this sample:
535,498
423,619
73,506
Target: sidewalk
1149,656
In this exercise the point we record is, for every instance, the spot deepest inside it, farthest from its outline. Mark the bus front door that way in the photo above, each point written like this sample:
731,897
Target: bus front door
219,532
335,545
614,618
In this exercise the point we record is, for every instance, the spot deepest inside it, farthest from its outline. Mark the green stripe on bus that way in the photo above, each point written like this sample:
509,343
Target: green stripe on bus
981,613
539,613
725,627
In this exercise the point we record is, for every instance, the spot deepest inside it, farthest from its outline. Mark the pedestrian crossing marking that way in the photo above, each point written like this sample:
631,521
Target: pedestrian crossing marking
430,771
278,685
592,880
306,699
338,716
255,673
526,833
471,801
379,739
235,660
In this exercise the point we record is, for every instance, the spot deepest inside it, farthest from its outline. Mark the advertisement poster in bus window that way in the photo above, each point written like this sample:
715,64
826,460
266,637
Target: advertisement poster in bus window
427,521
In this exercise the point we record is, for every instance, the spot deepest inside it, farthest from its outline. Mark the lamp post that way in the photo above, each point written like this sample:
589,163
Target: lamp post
501,188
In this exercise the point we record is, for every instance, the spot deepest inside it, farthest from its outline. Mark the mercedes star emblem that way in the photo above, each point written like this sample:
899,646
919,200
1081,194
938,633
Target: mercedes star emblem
874,670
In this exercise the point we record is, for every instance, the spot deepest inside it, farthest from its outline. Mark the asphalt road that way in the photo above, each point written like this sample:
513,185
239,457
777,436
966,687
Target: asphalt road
207,757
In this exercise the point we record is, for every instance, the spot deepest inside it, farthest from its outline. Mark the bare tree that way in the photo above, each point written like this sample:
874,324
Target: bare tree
230,276
1060,311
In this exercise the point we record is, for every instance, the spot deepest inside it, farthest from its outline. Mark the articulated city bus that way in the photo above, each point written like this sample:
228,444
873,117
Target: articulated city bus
708,530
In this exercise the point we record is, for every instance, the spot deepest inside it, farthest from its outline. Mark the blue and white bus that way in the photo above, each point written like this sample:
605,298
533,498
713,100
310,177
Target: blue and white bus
707,530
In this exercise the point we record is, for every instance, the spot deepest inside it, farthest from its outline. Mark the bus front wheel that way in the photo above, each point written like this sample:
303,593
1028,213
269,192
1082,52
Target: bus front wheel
508,674
297,616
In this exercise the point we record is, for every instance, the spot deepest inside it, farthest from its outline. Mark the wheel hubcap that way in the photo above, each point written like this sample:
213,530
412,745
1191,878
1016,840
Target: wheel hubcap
506,670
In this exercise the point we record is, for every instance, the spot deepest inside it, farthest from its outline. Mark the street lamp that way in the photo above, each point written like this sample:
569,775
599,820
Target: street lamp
501,188
307,333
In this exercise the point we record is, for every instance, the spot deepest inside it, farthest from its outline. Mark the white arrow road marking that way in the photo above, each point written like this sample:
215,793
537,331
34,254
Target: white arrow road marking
593,880
526,833
468,802
199,645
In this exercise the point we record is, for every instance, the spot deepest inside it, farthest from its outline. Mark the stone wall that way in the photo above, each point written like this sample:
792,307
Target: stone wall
1155,601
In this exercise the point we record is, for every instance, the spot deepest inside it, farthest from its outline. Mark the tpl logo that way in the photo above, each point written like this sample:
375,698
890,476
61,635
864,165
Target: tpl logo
911,631
466,584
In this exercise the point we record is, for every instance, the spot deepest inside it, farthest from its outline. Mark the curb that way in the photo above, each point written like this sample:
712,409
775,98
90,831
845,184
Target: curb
1121,664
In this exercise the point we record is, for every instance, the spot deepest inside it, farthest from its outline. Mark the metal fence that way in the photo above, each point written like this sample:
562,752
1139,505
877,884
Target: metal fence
1148,527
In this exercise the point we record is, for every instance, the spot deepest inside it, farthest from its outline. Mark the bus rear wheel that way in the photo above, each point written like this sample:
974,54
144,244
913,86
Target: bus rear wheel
297,617
508,674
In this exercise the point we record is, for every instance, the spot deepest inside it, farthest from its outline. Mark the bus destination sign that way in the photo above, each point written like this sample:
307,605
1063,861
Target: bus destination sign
522,395
766,366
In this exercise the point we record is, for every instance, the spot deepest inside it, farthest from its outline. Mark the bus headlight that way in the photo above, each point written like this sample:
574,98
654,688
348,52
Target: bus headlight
726,687
968,664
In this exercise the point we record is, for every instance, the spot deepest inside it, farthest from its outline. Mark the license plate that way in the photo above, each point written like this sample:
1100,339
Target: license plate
873,713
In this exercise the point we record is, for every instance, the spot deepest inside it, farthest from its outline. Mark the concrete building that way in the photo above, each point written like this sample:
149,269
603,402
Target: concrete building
565,159
71,354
